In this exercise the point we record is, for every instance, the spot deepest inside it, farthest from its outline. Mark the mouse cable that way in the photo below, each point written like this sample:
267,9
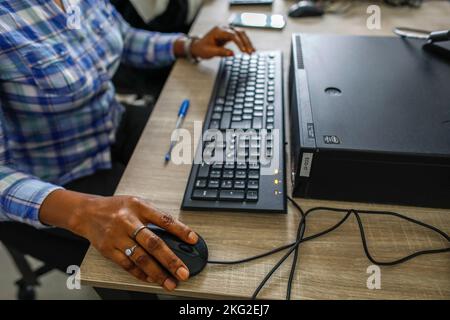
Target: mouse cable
271,252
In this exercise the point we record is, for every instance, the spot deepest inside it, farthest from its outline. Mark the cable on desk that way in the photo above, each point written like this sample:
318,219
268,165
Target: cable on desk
294,247
262,255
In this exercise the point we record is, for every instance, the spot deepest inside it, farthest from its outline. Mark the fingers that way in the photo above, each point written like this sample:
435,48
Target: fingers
245,40
128,265
224,35
158,249
153,272
241,39
220,52
167,222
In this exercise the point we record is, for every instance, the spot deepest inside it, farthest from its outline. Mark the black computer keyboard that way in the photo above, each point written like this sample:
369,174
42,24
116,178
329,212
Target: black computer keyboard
240,162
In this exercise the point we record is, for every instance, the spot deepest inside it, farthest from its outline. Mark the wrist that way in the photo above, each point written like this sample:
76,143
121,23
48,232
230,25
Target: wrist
183,48
68,210
178,47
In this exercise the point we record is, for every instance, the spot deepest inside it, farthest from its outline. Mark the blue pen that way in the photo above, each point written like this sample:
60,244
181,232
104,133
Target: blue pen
181,114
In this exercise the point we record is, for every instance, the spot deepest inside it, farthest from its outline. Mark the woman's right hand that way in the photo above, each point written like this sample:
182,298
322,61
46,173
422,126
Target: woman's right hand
109,223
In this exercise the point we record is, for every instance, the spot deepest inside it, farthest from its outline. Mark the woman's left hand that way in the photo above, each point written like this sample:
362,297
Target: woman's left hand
213,43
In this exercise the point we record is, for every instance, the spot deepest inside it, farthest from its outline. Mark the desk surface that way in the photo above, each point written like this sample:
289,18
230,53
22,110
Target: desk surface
331,267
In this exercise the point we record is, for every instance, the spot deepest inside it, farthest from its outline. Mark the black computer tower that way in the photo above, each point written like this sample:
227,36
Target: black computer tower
370,121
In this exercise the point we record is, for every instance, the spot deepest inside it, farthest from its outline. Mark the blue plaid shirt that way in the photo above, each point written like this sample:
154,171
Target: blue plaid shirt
58,112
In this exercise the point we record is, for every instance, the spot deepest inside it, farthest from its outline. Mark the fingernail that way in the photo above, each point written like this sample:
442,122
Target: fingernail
183,273
193,237
169,284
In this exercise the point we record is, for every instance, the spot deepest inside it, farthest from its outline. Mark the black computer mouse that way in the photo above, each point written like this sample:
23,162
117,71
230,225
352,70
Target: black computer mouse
195,257
306,9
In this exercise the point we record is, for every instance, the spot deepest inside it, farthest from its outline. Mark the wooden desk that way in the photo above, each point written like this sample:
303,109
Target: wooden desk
332,267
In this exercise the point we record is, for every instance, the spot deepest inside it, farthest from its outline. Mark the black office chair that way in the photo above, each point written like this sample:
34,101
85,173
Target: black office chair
26,285
21,240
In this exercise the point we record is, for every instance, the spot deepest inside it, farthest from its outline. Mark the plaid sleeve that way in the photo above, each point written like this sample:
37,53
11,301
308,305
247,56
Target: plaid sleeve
145,49
21,195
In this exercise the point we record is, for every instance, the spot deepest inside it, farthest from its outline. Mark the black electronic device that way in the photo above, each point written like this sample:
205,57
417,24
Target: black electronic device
250,2
246,110
195,257
370,120
306,9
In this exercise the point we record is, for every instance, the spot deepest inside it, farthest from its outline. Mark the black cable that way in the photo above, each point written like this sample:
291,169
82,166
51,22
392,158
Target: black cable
398,261
294,247
300,234
279,263
262,255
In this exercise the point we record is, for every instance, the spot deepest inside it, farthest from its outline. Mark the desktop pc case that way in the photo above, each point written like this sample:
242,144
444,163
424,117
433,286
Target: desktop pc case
370,120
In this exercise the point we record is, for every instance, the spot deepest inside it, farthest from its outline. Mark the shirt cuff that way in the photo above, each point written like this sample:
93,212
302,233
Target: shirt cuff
24,198
164,48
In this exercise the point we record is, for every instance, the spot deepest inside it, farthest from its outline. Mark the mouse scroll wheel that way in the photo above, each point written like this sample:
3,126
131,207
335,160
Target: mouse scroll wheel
186,248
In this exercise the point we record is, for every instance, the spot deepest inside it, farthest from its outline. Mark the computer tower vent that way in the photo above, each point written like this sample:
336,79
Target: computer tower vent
298,43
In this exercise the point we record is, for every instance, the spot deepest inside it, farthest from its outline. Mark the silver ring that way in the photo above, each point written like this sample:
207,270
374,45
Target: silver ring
129,252
136,232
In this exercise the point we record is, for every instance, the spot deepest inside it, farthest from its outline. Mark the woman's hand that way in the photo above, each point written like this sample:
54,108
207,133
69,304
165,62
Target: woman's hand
109,223
213,43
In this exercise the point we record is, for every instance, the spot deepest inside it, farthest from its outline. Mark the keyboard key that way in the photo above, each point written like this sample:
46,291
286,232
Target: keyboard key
215,174
244,124
203,171
216,116
253,165
214,184
229,165
217,166
226,120
227,184
253,174
200,183
232,195
228,174
253,184
224,79
241,174
204,194
241,166
257,122
252,195
239,184
214,124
